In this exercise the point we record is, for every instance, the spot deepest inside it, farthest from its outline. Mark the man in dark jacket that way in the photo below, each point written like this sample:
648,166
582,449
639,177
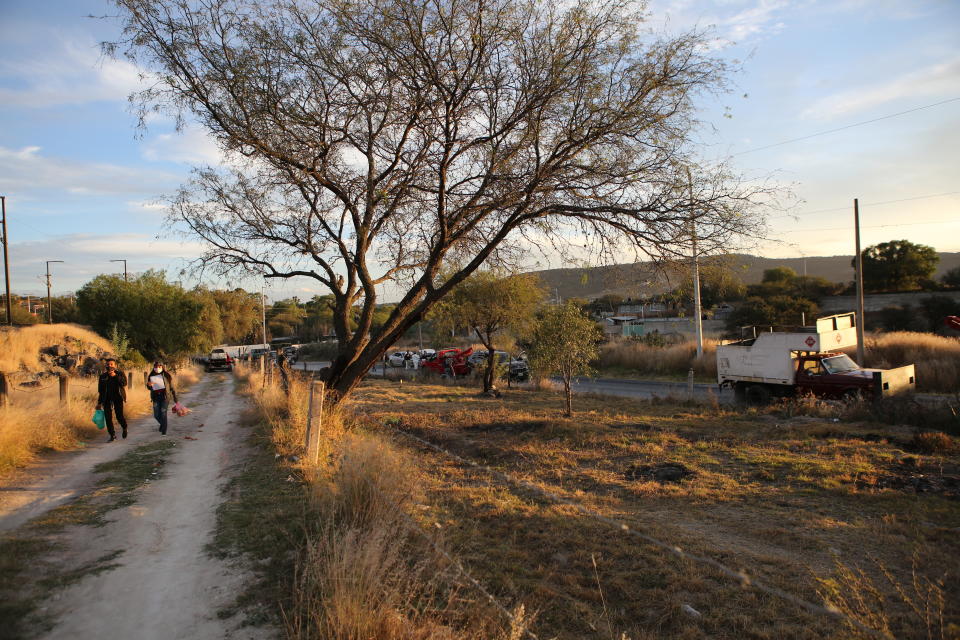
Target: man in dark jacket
112,393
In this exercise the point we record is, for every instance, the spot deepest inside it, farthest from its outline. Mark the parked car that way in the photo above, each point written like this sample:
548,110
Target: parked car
397,359
219,360
479,358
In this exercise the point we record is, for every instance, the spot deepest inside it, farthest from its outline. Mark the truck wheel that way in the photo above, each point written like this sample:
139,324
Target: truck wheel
758,395
739,393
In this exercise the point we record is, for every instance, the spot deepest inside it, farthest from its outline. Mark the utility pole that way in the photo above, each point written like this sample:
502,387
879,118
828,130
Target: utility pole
49,301
697,310
858,261
125,279
263,314
6,259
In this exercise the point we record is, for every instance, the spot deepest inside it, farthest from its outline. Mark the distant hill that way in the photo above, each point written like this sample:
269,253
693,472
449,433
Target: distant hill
642,279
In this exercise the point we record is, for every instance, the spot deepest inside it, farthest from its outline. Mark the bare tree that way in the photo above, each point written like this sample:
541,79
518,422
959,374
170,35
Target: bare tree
392,140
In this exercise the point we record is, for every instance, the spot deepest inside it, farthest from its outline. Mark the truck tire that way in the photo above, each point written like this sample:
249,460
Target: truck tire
758,395
740,393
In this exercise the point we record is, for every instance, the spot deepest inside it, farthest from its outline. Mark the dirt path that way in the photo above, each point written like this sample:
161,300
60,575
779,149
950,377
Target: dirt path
163,584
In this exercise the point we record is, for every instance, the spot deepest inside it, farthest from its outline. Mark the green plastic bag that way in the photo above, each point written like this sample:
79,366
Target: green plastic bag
98,419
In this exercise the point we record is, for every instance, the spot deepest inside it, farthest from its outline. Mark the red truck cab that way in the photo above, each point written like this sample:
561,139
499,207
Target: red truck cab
832,375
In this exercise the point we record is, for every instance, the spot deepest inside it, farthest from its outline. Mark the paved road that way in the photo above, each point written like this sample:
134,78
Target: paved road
610,386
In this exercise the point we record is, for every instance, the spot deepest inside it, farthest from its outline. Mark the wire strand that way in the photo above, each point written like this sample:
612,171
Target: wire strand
849,126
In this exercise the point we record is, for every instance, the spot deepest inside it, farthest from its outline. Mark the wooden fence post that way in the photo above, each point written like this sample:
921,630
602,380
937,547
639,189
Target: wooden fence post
314,421
65,390
315,455
130,379
4,390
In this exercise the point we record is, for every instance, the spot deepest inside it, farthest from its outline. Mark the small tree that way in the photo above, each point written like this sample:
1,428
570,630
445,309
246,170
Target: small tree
564,343
952,278
490,304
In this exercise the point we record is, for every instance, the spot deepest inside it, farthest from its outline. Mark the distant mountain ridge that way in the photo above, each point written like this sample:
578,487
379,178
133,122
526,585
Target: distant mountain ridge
642,279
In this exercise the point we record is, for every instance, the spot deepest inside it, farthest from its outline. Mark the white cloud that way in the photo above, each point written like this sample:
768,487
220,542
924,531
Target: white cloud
941,79
87,255
27,169
191,146
760,19
70,72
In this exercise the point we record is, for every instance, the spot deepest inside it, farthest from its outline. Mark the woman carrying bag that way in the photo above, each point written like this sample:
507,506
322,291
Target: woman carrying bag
160,384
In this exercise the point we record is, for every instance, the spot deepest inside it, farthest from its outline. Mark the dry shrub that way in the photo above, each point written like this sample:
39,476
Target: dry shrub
649,360
937,358
934,443
915,610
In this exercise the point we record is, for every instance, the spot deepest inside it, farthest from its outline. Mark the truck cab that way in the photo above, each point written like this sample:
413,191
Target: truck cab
832,375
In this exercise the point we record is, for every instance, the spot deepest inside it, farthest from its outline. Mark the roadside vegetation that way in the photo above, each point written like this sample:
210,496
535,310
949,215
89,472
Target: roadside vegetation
340,552
35,420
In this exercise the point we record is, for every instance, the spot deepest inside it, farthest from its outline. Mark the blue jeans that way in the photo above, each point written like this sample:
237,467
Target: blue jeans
160,413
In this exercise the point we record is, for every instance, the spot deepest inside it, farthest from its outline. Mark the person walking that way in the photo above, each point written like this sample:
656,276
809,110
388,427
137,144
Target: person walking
111,394
160,384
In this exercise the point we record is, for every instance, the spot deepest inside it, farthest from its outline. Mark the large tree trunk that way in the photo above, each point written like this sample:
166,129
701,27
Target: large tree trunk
567,397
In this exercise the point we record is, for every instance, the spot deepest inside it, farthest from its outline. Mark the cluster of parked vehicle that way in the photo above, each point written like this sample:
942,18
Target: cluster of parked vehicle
458,362
220,360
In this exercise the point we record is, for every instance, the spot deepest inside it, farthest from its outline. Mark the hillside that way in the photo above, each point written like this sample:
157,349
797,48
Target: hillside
642,279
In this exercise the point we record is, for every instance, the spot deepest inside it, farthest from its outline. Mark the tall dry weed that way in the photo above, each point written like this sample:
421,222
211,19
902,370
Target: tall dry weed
365,570
937,358
670,360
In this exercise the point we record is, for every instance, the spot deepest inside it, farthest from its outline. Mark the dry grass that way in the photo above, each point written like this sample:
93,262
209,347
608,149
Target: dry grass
35,421
670,361
937,358
365,569
779,497
20,347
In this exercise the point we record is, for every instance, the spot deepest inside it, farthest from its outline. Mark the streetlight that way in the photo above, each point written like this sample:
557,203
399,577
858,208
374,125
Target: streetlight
124,268
49,302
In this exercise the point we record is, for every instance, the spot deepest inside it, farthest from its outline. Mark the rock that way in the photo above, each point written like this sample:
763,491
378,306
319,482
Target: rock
671,473
56,350
690,611
67,362
46,358
662,473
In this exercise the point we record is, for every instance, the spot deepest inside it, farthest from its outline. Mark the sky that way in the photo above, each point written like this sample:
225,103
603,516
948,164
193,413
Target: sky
838,99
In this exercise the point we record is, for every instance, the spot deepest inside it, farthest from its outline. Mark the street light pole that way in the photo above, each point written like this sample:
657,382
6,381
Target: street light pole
49,300
125,279
6,259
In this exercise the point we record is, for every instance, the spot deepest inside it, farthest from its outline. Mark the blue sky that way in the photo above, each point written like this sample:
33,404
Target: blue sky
82,184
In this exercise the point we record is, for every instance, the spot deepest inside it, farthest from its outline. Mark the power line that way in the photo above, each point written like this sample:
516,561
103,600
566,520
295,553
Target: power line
877,226
849,126
867,204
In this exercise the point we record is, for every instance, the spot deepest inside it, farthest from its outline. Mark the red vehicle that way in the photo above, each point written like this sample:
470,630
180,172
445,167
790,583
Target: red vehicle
437,362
